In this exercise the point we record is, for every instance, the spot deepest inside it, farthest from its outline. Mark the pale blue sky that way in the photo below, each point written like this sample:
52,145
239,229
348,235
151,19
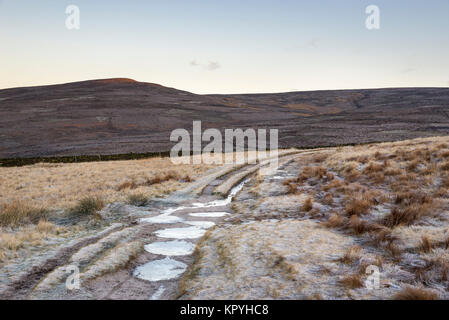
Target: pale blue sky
227,46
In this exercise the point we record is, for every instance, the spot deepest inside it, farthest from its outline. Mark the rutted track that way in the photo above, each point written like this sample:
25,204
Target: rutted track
169,235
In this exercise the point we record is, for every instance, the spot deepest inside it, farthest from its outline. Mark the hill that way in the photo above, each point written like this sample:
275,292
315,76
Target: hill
113,116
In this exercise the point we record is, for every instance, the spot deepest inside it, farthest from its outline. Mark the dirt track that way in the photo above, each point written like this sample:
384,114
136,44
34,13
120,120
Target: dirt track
47,281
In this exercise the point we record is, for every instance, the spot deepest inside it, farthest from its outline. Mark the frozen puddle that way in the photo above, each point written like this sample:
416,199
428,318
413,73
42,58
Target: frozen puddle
201,224
158,270
162,219
171,248
209,214
167,218
169,211
222,202
181,233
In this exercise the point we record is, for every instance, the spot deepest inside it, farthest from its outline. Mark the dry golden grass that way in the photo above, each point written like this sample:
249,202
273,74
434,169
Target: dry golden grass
426,244
61,186
335,221
359,226
390,194
88,206
351,255
157,179
383,235
307,205
20,213
30,195
45,227
407,215
137,199
359,204
328,199
309,172
334,184
352,281
292,188
410,293
32,235
445,166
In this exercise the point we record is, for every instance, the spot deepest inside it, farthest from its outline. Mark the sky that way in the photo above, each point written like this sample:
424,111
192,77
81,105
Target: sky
227,46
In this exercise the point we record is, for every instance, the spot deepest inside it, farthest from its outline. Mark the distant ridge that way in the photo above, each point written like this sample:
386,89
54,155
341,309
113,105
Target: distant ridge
121,115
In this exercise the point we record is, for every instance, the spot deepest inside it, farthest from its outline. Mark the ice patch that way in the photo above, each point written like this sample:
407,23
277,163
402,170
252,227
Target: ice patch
158,293
170,248
160,270
209,214
181,233
201,224
162,219
222,202
169,211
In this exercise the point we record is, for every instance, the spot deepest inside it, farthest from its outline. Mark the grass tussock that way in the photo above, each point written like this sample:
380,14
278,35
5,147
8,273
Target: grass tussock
88,206
307,205
335,184
318,172
406,215
335,221
359,226
352,281
411,293
328,199
351,255
445,166
19,213
292,187
426,244
383,236
137,199
156,179
359,204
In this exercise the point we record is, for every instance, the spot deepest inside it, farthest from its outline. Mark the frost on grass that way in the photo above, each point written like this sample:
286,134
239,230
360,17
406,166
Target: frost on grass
89,252
54,278
392,198
115,259
267,260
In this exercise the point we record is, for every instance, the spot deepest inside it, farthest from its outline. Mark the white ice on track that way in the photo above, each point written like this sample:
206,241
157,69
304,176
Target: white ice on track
158,293
169,211
164,219
158,270
171,248
209,214
181,233
221,202
201,224
166,269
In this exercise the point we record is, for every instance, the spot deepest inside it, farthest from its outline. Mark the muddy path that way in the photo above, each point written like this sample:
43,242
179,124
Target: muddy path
145,258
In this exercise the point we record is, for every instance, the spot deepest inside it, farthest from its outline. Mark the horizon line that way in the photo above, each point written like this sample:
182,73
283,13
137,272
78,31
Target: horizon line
130,80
